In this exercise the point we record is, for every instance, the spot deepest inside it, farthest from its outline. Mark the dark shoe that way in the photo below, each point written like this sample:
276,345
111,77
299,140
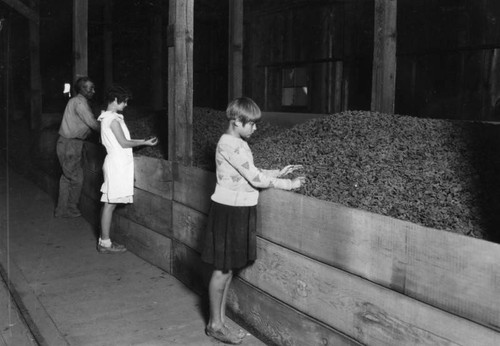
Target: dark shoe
223,335
113,249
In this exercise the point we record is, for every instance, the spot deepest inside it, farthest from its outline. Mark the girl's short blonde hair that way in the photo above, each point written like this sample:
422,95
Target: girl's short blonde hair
243,109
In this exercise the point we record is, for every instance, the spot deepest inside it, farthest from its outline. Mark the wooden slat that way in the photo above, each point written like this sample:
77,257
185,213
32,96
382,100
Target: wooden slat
193,187
279,323
254,309
454,272
188,226
153,175
151,211
369,313
188,268
145,243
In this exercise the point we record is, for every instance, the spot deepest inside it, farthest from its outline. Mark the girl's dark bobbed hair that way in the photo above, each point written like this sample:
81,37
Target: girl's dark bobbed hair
118,92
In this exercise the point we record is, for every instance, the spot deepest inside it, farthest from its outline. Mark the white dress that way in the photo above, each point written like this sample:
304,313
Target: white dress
118,167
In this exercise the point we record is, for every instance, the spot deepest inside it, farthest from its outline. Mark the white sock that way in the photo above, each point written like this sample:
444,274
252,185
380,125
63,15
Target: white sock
105,242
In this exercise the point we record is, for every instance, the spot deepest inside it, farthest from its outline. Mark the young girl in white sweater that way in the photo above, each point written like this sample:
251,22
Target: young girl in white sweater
230,241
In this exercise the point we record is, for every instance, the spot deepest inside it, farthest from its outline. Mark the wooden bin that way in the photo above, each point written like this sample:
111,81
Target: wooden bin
326,274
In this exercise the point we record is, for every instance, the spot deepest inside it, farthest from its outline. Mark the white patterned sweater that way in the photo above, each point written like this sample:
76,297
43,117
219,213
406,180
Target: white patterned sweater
238,180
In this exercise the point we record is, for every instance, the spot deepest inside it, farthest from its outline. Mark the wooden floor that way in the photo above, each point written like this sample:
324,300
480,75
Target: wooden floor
13,329
75,296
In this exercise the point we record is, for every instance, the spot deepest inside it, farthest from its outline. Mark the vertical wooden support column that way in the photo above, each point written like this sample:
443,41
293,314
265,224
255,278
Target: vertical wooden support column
35,75
108,43
235,73
156,55
180,81
384,57
80,44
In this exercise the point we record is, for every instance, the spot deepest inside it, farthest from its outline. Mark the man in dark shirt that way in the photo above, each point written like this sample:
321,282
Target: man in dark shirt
77,123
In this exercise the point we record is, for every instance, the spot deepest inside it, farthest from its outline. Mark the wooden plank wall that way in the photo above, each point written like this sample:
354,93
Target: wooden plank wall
325,274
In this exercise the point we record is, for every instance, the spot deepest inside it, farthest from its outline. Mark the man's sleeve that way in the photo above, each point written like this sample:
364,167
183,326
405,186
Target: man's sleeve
85,113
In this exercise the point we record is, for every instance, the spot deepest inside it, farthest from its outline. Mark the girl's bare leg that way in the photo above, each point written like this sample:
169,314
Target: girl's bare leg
217,289
224,298
239,332
106,217
216,292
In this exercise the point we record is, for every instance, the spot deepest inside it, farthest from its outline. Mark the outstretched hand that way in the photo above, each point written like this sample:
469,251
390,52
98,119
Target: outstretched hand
289,169
152,141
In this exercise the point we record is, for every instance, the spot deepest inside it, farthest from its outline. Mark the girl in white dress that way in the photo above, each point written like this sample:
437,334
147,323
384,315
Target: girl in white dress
118,168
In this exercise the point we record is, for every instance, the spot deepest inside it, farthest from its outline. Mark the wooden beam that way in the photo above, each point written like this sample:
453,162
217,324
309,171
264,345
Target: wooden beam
180,81
384,57
235,73
35,75
80,34
26,11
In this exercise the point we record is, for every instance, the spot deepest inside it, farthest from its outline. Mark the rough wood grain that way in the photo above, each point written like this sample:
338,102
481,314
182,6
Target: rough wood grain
188,226
193,187
153,175
180,81
188,267
369,313
151,211
384,57
145,243
254,309
456,273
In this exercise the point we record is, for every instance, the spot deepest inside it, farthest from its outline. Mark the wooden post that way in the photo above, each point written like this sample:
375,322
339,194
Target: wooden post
80,44
108,43
384,57
31,13
180,81
235,73
35,75
156,55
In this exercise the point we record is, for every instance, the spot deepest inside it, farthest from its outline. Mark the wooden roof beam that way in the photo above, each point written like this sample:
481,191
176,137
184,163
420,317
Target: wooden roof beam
26,11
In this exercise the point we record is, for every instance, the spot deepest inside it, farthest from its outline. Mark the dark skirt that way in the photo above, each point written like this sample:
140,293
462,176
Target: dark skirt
230,239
